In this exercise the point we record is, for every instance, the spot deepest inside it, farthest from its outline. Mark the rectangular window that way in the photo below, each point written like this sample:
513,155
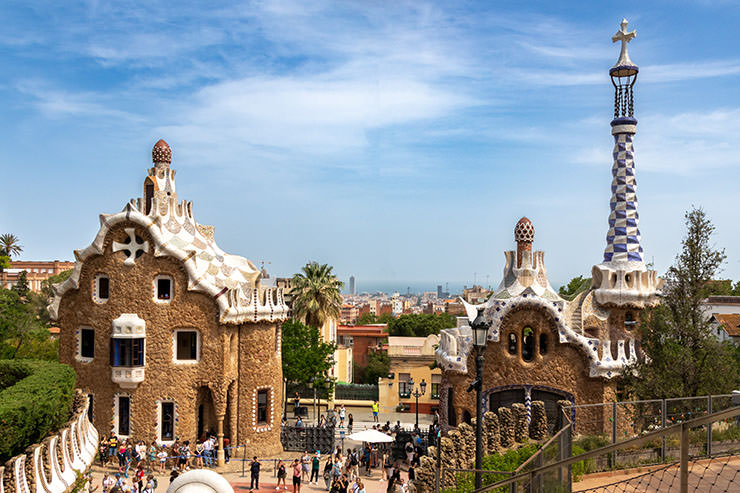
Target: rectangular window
124,415
262,406
168,421
126,352
90,407
436,383
87,343
187,345
404,387
163,289
103,288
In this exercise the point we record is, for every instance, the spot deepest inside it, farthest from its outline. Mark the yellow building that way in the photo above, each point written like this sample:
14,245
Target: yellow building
411,358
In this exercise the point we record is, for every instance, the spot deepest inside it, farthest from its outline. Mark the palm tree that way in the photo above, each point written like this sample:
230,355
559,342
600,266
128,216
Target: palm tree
9,245
316,295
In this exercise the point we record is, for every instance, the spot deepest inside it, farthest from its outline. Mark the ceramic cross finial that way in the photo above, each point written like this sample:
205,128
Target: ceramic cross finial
625,37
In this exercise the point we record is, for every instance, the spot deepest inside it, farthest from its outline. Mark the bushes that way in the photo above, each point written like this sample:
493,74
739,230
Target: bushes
509,461
37,401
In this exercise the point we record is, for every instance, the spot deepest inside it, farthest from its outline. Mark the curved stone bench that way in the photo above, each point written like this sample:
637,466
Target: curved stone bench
200,481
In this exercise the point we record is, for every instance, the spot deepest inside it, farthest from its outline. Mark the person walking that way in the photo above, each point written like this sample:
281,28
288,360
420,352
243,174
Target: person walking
342,415
350,422
254,469
281,473
376,409
296,476
328,466
305,461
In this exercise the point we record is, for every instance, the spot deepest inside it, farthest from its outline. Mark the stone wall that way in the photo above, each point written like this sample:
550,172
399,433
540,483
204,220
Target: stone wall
52,466
236,361
503,430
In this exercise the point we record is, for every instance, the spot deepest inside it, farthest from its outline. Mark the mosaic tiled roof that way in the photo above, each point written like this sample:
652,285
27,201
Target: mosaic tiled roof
232,281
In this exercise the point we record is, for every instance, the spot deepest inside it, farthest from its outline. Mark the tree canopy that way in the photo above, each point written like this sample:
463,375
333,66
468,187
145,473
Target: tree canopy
420,325
316,294
371,318
574,287
305,354
683,356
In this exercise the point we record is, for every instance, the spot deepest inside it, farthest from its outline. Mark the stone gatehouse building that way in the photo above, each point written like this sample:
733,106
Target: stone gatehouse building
541,346
170,336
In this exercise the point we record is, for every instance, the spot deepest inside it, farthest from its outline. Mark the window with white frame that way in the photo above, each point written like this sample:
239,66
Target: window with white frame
86,344
163,288
187,346
122,416
166,421
101,288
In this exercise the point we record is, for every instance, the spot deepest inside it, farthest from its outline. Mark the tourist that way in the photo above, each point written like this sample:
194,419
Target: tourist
350,422
393,479
305,461
387,467
360,487
354,465
208,452
281,473
151,456
296,403
412,473
315,464
173,475
151,482
162,455
139,477
402,486
112,447
322,421
107,483
336,469
342,413
328,466
299,422
410,451
227,450
254,469
296,476
397,427
368,458
199,454
376,409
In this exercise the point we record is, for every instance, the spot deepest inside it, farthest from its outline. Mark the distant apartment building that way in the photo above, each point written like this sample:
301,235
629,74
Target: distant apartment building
362,339
352,285
36,272
433,308
349,314
397,306
476,295
411,358
384,308
454,307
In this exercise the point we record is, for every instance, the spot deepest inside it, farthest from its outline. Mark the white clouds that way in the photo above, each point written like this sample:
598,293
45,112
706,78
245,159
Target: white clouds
684,143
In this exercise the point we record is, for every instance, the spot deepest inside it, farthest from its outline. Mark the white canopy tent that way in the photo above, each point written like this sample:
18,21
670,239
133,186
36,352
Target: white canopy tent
370,436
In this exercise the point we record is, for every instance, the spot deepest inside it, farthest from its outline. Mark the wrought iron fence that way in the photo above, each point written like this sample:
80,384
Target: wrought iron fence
308,438
356,392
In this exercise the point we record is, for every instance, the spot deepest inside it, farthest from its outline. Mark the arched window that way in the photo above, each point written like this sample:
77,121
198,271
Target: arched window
543,344
527,344
512,343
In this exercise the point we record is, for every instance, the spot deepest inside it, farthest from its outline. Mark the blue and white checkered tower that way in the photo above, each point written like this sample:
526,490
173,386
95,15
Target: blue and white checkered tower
623,239
623,270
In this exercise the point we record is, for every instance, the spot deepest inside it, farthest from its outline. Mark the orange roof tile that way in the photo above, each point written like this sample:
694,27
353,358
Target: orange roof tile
730,322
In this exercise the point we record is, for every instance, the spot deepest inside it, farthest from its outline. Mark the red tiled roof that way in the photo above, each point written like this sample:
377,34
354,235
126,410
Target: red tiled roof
730,322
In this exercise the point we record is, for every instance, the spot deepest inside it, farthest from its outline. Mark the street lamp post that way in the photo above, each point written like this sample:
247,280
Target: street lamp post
417,393
480,338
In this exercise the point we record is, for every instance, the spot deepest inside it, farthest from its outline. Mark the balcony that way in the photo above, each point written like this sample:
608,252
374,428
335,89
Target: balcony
127,378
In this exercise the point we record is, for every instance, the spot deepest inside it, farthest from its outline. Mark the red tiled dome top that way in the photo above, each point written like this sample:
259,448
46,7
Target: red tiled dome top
161,153
524,231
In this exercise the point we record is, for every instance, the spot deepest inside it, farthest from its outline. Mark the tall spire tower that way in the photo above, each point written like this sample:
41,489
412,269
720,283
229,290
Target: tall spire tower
622,277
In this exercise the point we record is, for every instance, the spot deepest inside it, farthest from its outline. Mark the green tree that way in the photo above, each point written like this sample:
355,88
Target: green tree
4,262
378,365
21,285
420,325
367,319
20,329
316,294
305,354
9,245
574,287
41,301
683,356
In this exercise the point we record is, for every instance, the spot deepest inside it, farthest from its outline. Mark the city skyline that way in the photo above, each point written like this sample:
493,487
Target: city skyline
404,145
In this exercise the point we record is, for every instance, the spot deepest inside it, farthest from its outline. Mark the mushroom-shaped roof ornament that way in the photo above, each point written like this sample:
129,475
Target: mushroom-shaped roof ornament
161,152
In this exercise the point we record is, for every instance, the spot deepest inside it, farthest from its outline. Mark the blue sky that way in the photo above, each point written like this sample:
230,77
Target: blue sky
393,140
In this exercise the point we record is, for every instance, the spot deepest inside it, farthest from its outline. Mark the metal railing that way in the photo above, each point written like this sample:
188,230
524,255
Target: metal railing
533,478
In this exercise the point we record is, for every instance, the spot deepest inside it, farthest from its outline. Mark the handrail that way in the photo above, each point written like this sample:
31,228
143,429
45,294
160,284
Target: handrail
669,430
